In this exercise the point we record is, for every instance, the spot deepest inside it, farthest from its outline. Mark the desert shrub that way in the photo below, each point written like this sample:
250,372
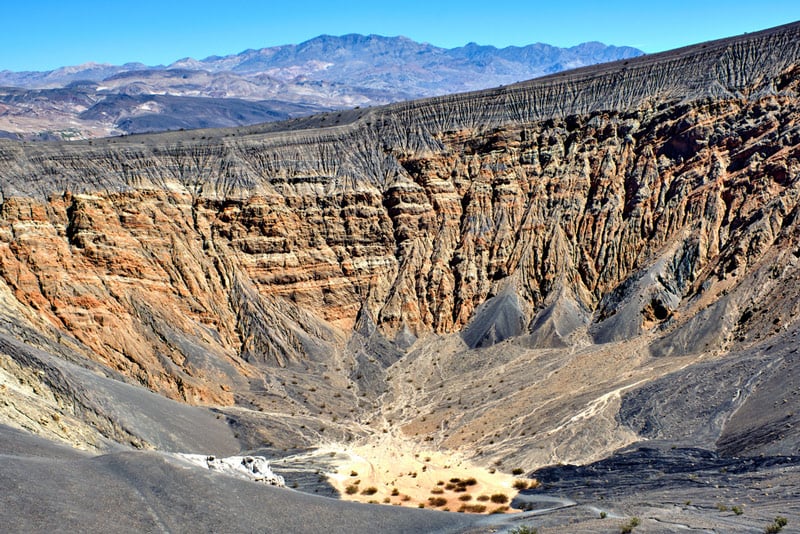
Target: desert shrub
437,491
449,486
520,484
500,510
721,507
353,474
517,471
465,498
469,481
524,529
628,527
372,490
603,515
499,498
395,492
455,480
386,500
737,510
776,526
483,498
473,508
437,501
351,489
440,483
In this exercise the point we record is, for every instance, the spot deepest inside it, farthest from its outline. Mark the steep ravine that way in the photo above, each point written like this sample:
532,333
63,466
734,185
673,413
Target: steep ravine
518,274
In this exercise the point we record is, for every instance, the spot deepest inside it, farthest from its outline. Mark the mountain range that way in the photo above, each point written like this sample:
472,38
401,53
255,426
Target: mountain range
324,73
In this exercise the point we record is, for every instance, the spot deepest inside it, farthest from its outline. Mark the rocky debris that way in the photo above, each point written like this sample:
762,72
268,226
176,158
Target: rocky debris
255,468
580,250
669,489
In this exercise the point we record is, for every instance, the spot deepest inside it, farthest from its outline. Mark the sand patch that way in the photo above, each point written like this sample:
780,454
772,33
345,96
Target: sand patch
396,471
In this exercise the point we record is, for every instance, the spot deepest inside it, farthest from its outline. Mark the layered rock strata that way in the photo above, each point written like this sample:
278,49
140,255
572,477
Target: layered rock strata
641,199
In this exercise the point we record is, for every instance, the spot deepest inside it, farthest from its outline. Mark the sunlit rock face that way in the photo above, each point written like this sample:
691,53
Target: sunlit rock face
653,199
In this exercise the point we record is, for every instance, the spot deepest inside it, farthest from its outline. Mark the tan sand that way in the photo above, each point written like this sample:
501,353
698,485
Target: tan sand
396,471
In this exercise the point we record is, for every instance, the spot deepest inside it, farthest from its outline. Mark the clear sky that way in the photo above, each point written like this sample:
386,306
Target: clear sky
44,34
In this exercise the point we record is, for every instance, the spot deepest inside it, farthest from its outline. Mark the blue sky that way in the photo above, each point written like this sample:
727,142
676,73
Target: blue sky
44,34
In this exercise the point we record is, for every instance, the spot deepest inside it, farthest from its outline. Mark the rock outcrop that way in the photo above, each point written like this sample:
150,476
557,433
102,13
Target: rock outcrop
253,468
650,203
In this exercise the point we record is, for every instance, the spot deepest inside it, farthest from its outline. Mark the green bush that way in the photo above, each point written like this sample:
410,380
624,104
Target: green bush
776,526
628,527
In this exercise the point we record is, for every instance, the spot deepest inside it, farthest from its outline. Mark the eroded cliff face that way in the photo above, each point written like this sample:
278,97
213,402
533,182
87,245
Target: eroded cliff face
640,200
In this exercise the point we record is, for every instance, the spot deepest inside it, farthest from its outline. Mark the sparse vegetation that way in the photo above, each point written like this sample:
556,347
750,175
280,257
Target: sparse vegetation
520,484
499,498
628,527
473,508
603,515
465,497
517,471
437,501
437,491
351,489
776,526
372,490
737,510
483,498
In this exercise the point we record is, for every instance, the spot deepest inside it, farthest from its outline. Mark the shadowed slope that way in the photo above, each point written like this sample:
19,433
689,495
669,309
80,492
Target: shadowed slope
536,274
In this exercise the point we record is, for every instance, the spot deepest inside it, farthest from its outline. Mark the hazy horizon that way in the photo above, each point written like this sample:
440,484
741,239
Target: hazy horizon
45,34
